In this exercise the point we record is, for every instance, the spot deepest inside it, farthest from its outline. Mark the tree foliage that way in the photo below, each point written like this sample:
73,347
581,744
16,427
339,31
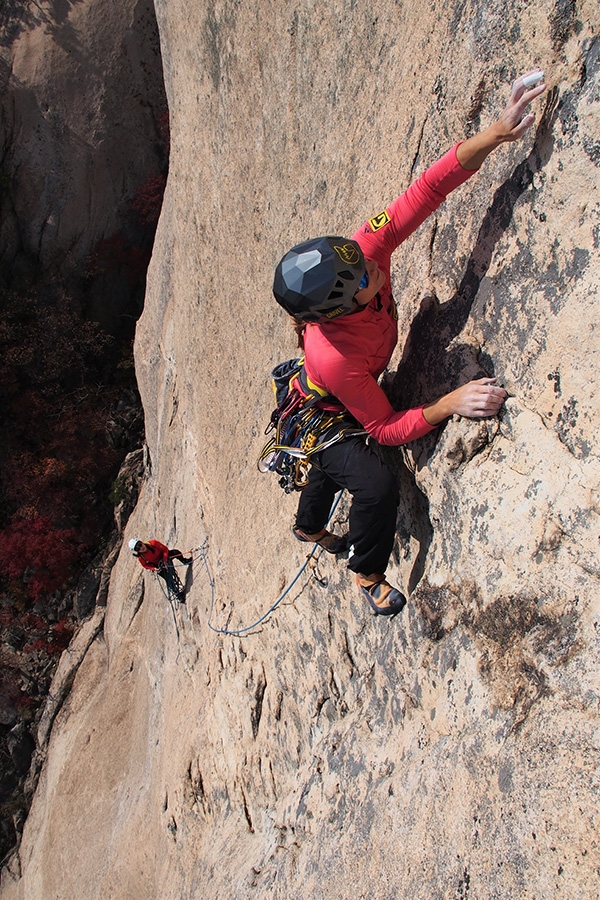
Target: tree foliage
39,553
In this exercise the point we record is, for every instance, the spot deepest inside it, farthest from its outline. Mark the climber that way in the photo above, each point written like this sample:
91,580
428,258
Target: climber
158,558
154,555
339,294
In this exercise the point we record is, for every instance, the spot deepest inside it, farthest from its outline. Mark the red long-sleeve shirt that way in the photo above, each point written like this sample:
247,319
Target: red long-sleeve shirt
156,554
347,355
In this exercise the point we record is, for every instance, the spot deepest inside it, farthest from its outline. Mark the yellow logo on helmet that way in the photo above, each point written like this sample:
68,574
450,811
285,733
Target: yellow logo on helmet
379,220
348,254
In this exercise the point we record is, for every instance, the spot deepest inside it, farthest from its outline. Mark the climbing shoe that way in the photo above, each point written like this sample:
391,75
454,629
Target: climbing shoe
385,600
333,543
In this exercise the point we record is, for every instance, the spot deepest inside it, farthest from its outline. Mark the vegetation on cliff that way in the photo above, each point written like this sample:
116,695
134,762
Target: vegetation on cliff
70,414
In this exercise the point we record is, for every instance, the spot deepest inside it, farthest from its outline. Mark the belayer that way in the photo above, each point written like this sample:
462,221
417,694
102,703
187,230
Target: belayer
339,293
158,558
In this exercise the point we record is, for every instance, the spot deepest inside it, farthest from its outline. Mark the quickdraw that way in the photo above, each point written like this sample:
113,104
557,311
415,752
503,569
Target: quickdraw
302,427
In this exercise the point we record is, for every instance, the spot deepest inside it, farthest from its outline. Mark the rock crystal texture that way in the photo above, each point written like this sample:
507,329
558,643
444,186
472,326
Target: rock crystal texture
454,751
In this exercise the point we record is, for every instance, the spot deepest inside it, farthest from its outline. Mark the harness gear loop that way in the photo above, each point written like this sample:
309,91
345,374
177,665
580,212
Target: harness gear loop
306,420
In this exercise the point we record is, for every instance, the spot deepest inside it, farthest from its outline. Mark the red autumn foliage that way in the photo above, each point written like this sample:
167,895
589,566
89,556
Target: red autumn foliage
68,416
109,255
39,553
164,129
10,691
62,633
33,622
55,642
115,254
147,201
37,646
128,252
139,260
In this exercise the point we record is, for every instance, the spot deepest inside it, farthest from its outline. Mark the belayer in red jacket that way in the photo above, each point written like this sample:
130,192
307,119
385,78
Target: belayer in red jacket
338,291
158,558
155,556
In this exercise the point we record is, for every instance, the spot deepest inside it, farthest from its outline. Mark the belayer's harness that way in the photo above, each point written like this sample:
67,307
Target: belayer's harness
307,420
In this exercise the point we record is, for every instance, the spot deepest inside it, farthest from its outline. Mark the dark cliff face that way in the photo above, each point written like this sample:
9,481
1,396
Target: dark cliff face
84,148
451,752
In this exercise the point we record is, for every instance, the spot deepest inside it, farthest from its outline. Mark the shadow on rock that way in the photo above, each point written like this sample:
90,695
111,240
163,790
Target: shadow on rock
429,365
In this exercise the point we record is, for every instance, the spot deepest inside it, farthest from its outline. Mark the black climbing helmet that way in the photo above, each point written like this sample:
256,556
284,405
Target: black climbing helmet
316,281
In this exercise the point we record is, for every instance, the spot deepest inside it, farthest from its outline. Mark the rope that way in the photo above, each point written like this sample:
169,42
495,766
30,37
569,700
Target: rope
201,552
240,631
167,592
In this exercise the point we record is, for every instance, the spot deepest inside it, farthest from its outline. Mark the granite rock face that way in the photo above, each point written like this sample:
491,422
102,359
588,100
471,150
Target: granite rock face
454,751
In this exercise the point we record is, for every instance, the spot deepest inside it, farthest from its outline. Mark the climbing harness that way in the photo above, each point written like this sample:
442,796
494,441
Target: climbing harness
306,420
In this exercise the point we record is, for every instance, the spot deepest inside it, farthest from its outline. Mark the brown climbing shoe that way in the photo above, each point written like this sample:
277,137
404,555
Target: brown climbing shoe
385,600
333,543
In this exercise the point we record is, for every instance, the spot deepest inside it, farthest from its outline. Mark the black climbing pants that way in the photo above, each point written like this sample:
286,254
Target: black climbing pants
353,465
173,554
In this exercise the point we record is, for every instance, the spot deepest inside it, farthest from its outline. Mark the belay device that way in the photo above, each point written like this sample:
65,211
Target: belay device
305,422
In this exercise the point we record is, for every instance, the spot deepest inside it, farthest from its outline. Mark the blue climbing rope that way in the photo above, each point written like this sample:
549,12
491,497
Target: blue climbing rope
202,553
248,628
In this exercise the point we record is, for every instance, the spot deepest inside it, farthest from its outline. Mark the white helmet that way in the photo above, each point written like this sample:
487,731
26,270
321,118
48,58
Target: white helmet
133,544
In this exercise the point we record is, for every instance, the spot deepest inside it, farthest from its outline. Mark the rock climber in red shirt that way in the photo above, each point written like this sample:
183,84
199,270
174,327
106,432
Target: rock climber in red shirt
155,556
339,292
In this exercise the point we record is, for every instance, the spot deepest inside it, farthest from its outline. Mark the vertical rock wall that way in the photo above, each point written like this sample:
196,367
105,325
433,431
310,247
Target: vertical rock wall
452,752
